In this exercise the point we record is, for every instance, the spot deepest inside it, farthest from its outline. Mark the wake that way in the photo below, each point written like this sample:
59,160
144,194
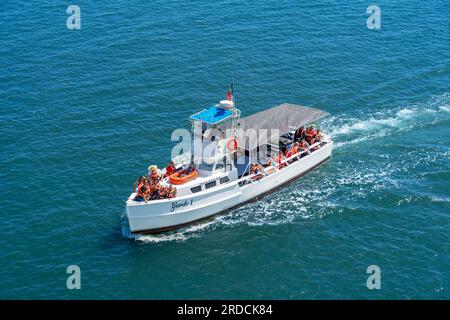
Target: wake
351,129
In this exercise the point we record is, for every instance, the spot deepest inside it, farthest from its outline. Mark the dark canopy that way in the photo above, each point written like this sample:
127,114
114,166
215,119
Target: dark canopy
285,117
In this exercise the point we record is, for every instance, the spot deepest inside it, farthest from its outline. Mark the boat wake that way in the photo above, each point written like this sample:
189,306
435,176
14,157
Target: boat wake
193,231
341,187
351,129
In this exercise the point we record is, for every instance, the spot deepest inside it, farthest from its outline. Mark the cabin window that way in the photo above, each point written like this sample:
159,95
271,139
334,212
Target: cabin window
224,179
196,189
205,167
219,166
210,184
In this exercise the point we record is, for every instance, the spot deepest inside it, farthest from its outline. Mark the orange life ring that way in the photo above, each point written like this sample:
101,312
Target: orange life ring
232,144
176,179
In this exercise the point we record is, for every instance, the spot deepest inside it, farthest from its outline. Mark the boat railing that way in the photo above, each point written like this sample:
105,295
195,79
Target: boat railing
286,162
296,156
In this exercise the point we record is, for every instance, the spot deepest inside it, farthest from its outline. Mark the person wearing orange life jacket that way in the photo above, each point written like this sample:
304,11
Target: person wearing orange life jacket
295,148
304,146
143,191
314,139
294,152
138,183
163,192
172,192
280,158
154,175
319,135
289,152
310,133
140,192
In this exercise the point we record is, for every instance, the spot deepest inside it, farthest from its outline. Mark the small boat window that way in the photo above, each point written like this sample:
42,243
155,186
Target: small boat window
210,184
205,167
224,179
196,189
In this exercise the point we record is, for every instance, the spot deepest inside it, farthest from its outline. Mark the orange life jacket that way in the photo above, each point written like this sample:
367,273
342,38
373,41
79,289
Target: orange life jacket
289,153
279,158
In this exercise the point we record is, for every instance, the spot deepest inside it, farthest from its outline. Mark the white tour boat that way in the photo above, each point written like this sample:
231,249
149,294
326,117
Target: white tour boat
223,147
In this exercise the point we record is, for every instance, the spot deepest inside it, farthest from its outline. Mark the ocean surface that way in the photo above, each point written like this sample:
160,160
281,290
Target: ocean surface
84,112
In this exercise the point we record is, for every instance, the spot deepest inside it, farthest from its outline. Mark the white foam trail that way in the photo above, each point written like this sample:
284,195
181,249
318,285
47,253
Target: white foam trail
438,199
182,234
348,130
445,108
366,125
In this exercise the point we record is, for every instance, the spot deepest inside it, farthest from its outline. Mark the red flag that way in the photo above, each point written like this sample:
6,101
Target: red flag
229,95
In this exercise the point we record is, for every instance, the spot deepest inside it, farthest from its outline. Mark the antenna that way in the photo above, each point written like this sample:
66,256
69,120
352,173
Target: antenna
232,92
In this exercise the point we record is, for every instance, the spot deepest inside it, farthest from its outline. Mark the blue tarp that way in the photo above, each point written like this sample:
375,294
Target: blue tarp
212,115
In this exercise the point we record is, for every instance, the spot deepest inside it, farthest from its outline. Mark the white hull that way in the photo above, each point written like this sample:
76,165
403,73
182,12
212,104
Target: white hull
165,214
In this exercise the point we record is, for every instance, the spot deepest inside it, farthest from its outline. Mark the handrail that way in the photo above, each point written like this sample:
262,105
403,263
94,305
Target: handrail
317,144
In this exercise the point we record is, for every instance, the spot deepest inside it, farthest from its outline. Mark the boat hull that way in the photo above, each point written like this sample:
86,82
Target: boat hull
168,214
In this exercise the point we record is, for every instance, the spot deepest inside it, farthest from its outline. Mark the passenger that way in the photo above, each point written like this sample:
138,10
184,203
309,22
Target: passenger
288,153
280,158
304,147
154,191
314,139
163,192
257,171
143,191
309,136
260,170
172,192
137,183
299,134
189,169
319,135
295,148
154,175
170,169
140,193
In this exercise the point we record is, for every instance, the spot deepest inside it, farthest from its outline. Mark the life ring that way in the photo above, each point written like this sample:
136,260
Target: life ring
232,144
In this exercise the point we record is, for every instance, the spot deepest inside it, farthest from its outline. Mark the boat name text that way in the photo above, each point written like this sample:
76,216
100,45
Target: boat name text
185,203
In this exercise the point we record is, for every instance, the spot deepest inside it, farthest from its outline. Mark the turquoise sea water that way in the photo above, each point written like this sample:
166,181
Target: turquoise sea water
84,112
